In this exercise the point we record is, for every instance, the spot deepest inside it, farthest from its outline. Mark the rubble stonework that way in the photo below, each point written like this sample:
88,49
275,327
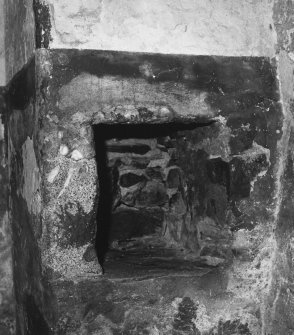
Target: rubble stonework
211,188
201,234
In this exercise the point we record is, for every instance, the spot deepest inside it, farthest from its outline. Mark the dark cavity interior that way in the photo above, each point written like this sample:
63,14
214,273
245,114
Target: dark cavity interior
166,200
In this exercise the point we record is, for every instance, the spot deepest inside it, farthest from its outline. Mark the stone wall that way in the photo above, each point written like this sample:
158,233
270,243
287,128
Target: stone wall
2,46
6,286
279,314
230,170
261,223
168,27
139,191
192,187
24,199
19,35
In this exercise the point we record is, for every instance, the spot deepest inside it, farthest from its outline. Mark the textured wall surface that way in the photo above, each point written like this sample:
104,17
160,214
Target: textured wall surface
187,27
2,47
53,189
190,27
19,35
216,27
279,314
6,300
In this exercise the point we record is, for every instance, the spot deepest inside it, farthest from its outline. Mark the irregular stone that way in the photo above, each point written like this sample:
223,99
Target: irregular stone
162,162
177,204
244,131
183,321
130,194
140,163
153,194
52,175
130,179
154,173
77,155
243,170
128,198
88,87
90,254
63,150
231,327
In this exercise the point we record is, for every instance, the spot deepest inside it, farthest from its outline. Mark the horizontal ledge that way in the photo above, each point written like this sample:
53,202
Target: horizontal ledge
219,74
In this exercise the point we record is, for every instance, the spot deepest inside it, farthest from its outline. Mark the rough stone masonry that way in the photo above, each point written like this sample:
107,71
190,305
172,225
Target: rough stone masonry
213,177
228,189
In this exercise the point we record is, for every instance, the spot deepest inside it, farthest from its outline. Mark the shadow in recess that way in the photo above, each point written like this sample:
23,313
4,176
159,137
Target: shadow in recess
108,177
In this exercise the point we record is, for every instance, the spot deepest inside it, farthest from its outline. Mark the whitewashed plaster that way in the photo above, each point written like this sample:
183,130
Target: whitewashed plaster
200,27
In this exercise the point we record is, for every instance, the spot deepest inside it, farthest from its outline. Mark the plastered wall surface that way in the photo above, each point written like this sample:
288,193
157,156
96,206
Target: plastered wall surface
216,27
200,27
2,48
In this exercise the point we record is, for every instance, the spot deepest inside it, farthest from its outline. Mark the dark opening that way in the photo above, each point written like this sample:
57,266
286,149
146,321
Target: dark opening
142,194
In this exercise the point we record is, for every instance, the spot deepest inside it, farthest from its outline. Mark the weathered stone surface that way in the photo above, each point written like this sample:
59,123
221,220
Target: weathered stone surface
173,179
174,306
183,321
2,45
19,35
105,87
237,190
130,179
231,327
153,194
43,24
6,290
278,312
53,163
25,202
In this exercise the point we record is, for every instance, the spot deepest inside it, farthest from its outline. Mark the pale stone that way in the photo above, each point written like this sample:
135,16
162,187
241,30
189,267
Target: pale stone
53,174
63,150
1,131
77,155
31,174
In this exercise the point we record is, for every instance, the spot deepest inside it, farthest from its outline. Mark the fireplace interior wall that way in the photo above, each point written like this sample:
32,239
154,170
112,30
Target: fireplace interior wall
226,169
57,291
175,184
